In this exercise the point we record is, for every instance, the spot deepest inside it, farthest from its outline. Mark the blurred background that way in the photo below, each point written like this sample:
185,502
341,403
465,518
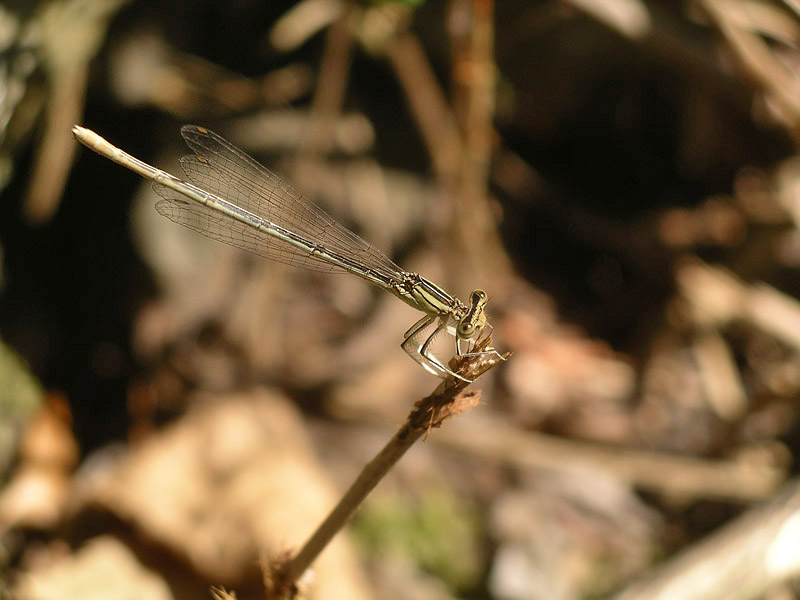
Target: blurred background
620,176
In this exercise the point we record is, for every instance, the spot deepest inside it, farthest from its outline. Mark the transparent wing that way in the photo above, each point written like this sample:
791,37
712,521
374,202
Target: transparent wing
224,170
219,226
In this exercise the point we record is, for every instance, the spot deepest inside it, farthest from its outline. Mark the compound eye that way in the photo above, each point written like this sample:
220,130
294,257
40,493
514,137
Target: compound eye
478,296
466,330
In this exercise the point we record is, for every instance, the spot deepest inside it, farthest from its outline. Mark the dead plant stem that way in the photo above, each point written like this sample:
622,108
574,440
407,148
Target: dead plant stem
448,400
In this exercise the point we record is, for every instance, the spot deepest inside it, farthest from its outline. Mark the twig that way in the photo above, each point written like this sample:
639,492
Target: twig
56,151
448,400
758,61
334,74
729,480
69,35
719,375
718,297
745,559
427,102
474,74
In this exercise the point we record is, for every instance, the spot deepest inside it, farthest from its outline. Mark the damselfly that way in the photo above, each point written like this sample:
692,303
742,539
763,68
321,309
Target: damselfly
232,198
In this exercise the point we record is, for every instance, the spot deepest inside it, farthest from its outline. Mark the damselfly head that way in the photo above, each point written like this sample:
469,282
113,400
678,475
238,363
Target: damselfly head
475,319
